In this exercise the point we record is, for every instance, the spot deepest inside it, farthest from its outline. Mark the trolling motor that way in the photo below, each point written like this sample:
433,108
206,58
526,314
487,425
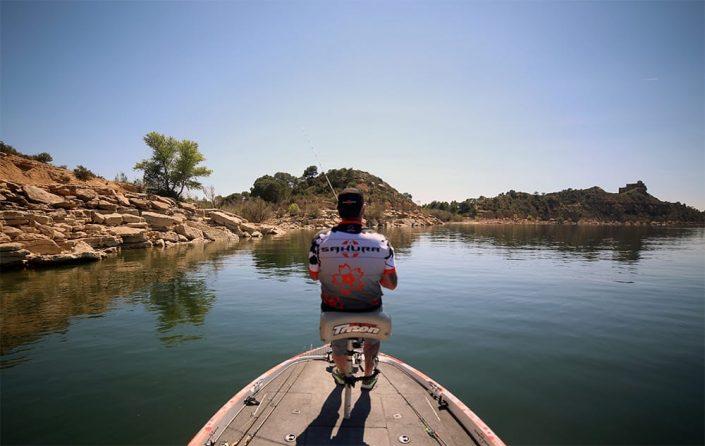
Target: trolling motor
354,327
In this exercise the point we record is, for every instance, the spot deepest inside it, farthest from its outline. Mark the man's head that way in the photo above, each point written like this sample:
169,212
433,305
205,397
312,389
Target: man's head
350,203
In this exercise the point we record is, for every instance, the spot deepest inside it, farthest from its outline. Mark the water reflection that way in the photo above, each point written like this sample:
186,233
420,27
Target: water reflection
624,244
173,283
285,256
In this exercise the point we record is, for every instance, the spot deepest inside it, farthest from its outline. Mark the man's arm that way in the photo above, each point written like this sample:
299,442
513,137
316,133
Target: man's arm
389,280
313,260
389,277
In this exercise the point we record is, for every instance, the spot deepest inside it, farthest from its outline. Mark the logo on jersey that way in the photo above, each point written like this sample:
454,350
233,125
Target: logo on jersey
348,280
350,248
355,327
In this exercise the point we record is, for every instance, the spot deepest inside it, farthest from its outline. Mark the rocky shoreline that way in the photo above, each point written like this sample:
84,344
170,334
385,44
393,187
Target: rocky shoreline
72,223
62,223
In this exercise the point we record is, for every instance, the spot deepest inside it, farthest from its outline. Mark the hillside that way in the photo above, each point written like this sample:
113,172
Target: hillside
307,200
632,204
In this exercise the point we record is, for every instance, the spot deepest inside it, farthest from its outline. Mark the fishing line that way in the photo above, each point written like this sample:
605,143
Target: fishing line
315,154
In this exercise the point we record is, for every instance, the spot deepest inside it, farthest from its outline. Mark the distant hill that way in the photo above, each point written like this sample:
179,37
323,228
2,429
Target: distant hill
286,188
632,204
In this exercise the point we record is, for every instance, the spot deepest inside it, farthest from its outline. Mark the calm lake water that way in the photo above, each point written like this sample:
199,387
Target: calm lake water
553,335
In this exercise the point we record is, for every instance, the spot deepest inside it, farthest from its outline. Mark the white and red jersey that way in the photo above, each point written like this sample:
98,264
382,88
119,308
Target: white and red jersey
350,261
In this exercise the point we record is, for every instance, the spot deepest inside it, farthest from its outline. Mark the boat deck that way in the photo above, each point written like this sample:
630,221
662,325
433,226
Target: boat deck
303,406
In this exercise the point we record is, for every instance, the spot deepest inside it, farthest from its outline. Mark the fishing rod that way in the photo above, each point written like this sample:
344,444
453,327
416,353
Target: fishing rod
335,195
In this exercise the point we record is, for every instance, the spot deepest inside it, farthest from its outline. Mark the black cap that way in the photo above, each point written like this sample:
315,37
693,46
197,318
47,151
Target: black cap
350,202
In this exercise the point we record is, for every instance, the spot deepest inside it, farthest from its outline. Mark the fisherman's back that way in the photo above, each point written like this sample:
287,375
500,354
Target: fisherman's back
350,261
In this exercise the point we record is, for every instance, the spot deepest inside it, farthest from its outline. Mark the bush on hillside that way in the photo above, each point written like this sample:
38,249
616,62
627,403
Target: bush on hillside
293,209
83,173
255,210
42,157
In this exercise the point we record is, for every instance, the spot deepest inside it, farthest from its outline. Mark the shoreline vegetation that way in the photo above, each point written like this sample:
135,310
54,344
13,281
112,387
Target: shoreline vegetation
51,215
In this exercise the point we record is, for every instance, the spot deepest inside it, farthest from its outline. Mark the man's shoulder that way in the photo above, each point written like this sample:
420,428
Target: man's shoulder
321,235
372,235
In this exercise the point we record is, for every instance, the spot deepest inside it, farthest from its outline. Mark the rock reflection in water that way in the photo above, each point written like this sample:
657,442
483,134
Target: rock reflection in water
172,283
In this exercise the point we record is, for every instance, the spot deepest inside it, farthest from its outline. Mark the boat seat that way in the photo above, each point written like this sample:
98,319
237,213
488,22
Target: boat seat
337,325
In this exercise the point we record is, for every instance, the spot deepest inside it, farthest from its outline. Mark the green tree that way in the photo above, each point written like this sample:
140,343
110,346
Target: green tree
310,173
270,189
174,165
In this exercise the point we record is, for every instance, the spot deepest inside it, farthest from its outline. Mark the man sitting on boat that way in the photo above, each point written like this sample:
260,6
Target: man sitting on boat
353,263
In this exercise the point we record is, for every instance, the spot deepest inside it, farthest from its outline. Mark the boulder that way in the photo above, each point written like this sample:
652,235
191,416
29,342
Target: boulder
160,220
128,218
139,203
39,195
188,231
121,199
108,219
256,234
142,225
169,236
249,227
11,232
85,251
8,247
108,206
86,194
15,218
160,206
139,245
102,241
41,246
214,233
128,234
42,219
230,222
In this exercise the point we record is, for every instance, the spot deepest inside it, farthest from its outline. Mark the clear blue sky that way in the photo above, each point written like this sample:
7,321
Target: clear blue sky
445,100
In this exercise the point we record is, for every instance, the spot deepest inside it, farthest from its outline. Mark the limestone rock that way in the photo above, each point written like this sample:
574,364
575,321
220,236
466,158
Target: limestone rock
129,235
230,222
39,195
121,199
160,220
249,227
188,231
169,236
8,247
214,233
139,245
41,246
86,194
143,225
128,218
160,206
102,241
256,234
107,219
11,231
108,206
139,203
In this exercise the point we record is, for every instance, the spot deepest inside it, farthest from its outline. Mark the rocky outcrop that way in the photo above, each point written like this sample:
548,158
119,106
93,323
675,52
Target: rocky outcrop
65,223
